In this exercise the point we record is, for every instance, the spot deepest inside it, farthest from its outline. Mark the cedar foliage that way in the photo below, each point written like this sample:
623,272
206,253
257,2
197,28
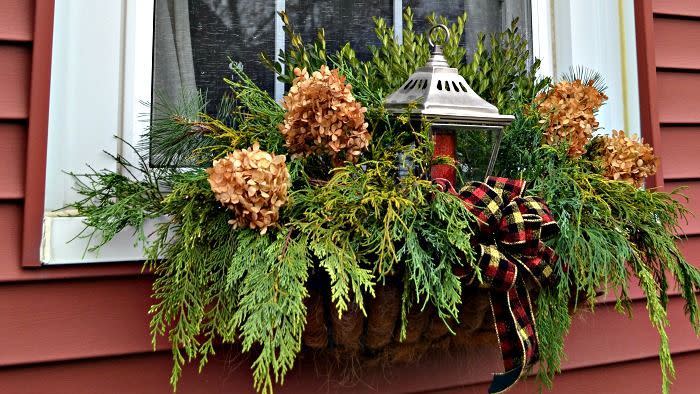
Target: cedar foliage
362,223
611,234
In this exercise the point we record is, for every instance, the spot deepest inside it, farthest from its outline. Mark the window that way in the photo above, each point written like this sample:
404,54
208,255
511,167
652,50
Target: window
193,39
109,55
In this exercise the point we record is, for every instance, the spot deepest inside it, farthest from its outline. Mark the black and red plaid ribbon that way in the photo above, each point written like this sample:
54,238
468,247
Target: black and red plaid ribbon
512,255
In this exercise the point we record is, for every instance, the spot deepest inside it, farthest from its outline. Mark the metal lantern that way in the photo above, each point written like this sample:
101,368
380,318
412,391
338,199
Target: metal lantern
464,126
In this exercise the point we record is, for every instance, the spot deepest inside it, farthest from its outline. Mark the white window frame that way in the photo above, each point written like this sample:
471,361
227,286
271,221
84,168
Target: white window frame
598,34
101,76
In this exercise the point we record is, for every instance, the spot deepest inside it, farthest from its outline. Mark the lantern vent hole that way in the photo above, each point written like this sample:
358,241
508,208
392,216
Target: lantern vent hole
421,84
439,85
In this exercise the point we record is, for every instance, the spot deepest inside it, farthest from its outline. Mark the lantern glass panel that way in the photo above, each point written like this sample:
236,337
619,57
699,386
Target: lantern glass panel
476,149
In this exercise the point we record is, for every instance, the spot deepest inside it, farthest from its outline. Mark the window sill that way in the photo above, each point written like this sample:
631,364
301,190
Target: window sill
59,245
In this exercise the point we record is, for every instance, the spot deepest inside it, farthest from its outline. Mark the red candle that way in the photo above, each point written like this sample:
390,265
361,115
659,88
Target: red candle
445,145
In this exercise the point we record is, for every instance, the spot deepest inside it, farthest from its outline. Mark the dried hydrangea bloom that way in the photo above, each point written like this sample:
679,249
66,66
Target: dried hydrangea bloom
253,184
322,117
570,110
628,158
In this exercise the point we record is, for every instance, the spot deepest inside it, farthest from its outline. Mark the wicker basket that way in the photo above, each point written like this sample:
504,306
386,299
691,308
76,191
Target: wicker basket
374,339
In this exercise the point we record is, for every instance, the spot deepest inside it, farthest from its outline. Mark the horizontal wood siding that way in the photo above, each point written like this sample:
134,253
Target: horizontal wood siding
14,80
673,38
128,375
12,151
680,148
73,320
675,91
16,20
688,8
609,340
691,190
677,97
94,319
637,377
690,246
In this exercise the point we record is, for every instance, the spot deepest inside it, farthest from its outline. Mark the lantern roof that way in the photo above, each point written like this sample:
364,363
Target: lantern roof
439,93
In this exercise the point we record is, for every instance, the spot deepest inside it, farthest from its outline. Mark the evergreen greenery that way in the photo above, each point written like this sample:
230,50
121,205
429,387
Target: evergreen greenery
363,223
611,232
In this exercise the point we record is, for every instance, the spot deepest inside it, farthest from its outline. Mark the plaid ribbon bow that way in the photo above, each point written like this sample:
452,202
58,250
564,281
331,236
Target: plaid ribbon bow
512,231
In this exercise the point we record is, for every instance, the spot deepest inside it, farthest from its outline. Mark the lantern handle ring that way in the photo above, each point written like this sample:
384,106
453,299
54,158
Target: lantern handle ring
438,26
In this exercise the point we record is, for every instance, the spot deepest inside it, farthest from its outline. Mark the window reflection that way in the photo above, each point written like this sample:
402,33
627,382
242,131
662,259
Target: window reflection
194,38
343,21
237,29
483,15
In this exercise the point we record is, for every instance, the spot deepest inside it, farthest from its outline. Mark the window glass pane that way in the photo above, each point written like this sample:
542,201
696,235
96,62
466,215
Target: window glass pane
194,39
483,15
343,21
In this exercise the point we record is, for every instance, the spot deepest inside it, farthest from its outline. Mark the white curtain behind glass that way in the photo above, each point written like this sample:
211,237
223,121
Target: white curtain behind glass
174,70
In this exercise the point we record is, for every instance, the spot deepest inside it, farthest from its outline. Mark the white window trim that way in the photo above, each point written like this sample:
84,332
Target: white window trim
599,34
118,79
106,73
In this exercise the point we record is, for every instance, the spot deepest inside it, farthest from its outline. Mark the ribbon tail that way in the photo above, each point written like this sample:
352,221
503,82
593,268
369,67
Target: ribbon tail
504,381
516,336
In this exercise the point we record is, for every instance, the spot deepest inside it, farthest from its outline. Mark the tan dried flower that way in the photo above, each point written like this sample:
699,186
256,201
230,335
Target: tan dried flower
253,184
628,158
570,109
323,117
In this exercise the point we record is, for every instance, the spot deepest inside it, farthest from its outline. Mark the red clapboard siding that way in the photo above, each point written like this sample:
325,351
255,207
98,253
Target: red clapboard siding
16,18
84,319
673,38
604,338
128,375
690,247
11,271
13,138
140,374
678,97
14,80
692,191
608,337
677,7
638,377
679,152
148,373
73,319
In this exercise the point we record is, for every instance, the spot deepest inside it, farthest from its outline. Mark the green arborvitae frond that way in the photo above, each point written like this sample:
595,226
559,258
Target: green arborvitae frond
270,275
611,230
553,322
499,70
255,114
111,201
659,319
